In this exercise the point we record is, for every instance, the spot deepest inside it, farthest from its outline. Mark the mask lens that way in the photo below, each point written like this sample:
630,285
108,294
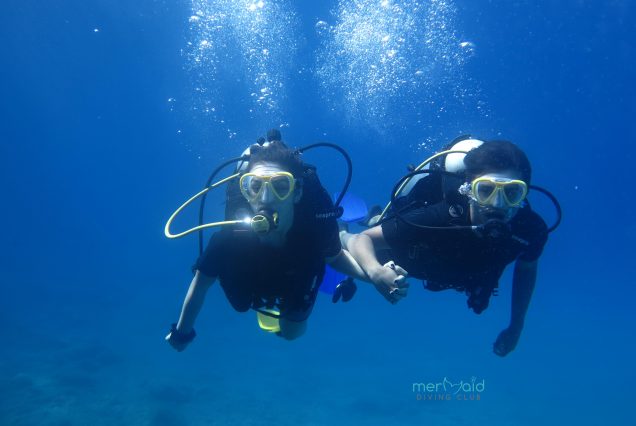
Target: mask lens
251,185
514,192
484,190
254,185
281,185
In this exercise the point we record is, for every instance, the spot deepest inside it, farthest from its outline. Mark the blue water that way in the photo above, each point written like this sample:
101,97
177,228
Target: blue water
114,112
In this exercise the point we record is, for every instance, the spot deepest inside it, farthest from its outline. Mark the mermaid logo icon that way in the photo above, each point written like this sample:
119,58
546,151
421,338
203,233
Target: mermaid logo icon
450,386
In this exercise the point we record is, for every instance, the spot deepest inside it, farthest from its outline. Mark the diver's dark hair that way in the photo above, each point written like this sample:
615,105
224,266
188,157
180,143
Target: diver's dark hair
277,152
497,156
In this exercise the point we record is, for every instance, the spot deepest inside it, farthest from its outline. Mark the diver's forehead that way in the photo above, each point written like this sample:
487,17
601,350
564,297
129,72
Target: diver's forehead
508,174
267,168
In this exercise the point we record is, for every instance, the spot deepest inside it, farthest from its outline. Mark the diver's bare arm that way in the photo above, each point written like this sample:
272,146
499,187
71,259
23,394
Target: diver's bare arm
194,301
345,263
389,279
362,247
523,281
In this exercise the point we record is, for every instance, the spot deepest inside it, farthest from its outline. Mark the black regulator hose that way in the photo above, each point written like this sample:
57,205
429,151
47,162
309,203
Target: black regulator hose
345,188
557,206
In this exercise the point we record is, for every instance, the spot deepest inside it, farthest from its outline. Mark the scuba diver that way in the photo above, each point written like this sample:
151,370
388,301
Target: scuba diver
456,224
270,254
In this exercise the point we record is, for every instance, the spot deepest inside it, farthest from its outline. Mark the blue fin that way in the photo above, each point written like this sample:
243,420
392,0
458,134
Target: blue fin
331,279
355,208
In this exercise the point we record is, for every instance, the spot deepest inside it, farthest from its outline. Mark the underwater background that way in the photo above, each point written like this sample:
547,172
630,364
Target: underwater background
114,112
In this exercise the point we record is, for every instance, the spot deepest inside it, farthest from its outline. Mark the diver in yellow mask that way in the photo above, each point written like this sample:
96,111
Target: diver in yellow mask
270,254
459,226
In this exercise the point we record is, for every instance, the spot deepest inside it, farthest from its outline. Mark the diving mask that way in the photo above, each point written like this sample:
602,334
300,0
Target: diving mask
486,189
281,184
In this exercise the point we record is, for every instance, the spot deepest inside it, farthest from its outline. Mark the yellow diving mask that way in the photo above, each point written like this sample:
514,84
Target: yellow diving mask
486,189
281,184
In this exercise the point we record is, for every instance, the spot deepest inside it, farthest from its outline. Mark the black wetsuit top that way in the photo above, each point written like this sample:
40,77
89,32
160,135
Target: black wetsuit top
254,275
461,259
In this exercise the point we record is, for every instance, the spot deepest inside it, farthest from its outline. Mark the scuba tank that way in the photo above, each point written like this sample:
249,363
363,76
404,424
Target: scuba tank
438,179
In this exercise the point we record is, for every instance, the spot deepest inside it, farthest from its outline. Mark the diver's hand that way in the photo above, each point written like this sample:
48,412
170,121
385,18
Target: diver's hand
179,346
506,341
390,281
179,340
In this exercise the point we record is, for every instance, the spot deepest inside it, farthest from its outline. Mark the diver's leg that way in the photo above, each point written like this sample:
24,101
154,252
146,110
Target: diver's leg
294,315
345,237
290,330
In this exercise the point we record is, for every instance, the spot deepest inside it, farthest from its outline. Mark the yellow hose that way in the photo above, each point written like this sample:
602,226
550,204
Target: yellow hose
207,225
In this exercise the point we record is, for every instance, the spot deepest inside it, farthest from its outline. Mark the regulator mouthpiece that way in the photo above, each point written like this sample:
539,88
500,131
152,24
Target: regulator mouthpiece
264,222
